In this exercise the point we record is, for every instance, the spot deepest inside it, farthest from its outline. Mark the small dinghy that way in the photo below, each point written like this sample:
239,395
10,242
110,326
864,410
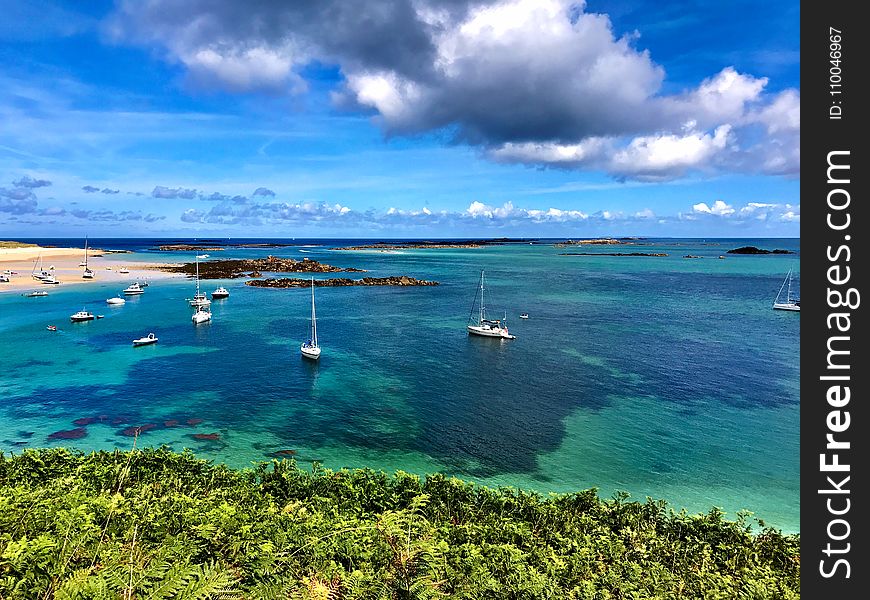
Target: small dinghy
144,341
52,327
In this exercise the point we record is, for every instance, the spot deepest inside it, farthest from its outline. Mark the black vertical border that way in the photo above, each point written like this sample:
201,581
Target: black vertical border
821,135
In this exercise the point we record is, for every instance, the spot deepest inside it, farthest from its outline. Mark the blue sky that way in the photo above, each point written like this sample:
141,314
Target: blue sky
436,118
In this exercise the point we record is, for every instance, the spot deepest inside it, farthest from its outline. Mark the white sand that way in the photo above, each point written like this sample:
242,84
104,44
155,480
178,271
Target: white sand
67,270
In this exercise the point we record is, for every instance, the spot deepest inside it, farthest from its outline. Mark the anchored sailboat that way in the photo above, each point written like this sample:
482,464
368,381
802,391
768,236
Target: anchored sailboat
87,274
199,299
310,348
789,304
483,326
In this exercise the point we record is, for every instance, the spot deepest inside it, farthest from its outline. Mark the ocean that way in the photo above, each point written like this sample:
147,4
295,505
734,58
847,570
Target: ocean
659,376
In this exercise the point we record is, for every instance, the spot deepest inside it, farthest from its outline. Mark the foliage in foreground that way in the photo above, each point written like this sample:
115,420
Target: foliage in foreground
157,524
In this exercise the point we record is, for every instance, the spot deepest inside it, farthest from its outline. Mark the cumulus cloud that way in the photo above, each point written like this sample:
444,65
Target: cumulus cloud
29,182
89,189
160,191
719,208
109,191
668,156
242,211
17,201
261,191
538,82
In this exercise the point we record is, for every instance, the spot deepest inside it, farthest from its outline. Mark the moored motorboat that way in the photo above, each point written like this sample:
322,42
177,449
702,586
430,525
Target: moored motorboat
220,293
116,301
82,315
144,341
524,316
133,289
36,294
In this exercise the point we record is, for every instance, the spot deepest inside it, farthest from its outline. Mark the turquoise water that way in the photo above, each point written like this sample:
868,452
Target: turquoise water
663,377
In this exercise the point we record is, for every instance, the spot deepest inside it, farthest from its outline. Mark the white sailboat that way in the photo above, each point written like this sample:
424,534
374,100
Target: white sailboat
201,315
39,271
87,273
486,327
310,348
199,299
790,303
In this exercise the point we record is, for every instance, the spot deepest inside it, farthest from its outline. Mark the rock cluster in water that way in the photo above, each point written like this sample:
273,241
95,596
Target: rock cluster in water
444,244
754,250
232,268
290,282
594,242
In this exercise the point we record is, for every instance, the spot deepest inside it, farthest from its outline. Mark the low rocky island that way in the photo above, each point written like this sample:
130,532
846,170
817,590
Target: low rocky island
440,244
754,250
290,282
612,254
598,242
233,268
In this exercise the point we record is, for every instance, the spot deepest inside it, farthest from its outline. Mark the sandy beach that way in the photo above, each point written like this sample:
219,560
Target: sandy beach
64,264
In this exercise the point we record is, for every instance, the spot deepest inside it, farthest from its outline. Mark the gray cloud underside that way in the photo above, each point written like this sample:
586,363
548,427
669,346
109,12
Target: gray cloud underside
27,181
21,201
537,82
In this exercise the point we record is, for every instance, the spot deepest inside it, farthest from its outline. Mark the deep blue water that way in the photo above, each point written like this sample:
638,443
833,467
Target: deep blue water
667,377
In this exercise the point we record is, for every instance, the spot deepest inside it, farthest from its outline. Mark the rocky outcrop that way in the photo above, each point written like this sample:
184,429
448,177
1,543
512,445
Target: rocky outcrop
594,242
289,282
442,244
232,268
754,250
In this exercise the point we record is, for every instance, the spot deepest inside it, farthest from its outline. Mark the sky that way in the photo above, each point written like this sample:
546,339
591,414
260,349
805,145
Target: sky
399,118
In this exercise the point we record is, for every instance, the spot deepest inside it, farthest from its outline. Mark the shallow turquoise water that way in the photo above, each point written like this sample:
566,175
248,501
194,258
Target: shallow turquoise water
665,377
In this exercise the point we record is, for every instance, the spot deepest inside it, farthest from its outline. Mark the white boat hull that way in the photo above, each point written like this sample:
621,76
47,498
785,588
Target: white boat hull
116,301
145,341
489,332
200,302
200,317
310,352
783,306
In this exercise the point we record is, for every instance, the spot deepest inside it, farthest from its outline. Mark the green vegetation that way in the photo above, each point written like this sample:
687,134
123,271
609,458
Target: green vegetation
13,244
157,524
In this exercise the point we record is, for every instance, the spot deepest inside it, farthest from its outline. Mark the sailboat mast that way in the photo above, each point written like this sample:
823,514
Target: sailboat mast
313,316
86,253
197,276
788,294
482,307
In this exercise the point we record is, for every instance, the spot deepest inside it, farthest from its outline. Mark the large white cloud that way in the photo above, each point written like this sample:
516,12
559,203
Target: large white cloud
539,82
